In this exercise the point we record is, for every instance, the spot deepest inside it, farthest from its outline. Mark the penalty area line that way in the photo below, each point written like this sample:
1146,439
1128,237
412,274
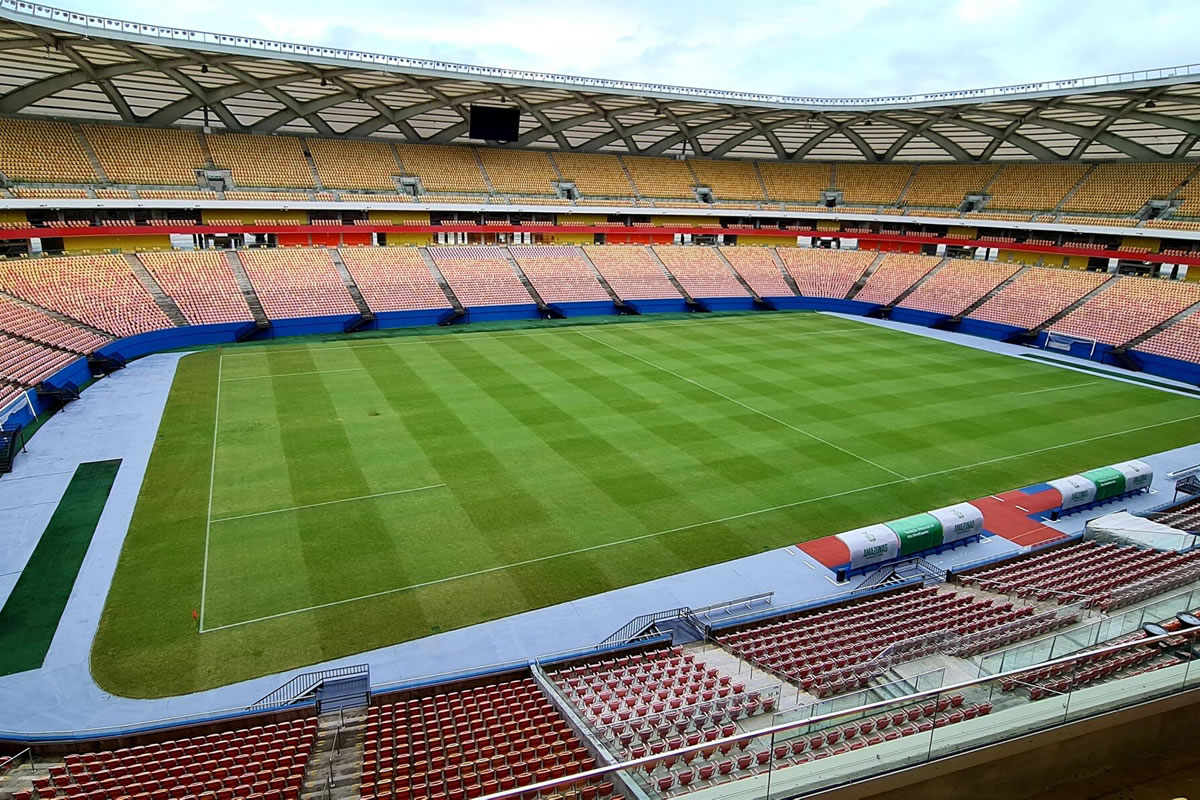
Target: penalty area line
693,526
330,502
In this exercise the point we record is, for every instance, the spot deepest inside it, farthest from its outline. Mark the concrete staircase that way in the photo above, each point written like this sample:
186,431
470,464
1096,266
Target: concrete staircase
787,276
86,146
912,176
691,301
487,180
1157,329
1062,314
738,276
900,298
334,769
761,183
1071,192
363,309
997,289
164,302
629,177
524,279
602,280
441,281
862,280
251,296
312,167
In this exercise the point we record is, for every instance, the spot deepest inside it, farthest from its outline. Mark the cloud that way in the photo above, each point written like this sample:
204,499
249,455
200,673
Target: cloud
806,47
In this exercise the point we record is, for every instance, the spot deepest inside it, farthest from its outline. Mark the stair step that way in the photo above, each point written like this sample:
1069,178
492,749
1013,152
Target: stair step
787,276
600,278
351,287
737,275
239,273
674,281
161,299
1159,328
523,278
455,303
867,273
1062,314
900,298
86,146
997,289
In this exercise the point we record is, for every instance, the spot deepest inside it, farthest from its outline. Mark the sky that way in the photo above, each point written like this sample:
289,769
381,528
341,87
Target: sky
818,48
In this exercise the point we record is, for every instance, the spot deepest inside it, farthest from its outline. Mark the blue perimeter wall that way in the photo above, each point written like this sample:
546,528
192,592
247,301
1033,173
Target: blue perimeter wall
173,338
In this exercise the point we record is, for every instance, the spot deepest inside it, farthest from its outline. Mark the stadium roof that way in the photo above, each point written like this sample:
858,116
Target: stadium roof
56,63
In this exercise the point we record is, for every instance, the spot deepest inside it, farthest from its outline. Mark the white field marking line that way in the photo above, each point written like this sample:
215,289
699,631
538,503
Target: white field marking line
1060,388
693,526
552,556
1022,508
293,374
212,477
349,345
330,502
771,417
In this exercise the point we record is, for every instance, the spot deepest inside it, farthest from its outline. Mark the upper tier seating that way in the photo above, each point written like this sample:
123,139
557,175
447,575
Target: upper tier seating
275,197
632,273
354,165
1126,308
42,152
825,273
267,161
800,183
201,284
300,282
661,177
1181,340
729,180
468,743
759,269
393,278
518,171
1037,295
1125,188
33,324
895,274
442,168
101,291
958,285
828,652
873,184
1105,575
700,271
28,363
559,274
480,276
1185,516
147,156
260,763
1033,187
596,175
946,185
1060,678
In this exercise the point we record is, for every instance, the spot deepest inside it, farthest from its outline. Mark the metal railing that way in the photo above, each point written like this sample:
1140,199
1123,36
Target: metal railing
786,731
305,684
14,761
639,624
99,25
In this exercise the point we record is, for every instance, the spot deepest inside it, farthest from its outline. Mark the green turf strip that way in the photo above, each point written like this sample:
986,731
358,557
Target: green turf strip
371,491
30,616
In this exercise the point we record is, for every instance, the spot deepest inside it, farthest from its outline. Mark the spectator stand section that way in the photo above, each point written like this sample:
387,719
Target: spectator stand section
703,275
564,280
636,278
300,290
396,284
485,282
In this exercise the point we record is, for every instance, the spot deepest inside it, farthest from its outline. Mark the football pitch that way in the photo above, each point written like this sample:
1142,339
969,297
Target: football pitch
310,500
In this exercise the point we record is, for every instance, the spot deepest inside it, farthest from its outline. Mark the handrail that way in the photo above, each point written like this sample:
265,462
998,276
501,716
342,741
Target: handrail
6,763
94,22
794,725
304,684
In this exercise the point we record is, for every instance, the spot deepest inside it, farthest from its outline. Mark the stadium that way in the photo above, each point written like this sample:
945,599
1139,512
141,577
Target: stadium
376,428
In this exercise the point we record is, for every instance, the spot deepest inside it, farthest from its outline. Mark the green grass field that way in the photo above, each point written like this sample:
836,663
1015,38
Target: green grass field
318,499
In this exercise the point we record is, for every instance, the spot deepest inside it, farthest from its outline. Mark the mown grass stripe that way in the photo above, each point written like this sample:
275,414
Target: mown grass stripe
31,614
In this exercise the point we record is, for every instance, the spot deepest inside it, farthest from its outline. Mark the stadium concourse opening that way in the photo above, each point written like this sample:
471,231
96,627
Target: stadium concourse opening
394,429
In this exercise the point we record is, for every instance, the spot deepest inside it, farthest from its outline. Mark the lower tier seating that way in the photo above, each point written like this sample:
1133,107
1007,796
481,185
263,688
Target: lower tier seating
480,276
1037,295
468,743
261,763
1181,340
700,272
632,273
825,273
1126,308
958,285
28,363
29,323
1104,575
201,284
393,278
559,274
299,282
756,265
101,291
894,275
